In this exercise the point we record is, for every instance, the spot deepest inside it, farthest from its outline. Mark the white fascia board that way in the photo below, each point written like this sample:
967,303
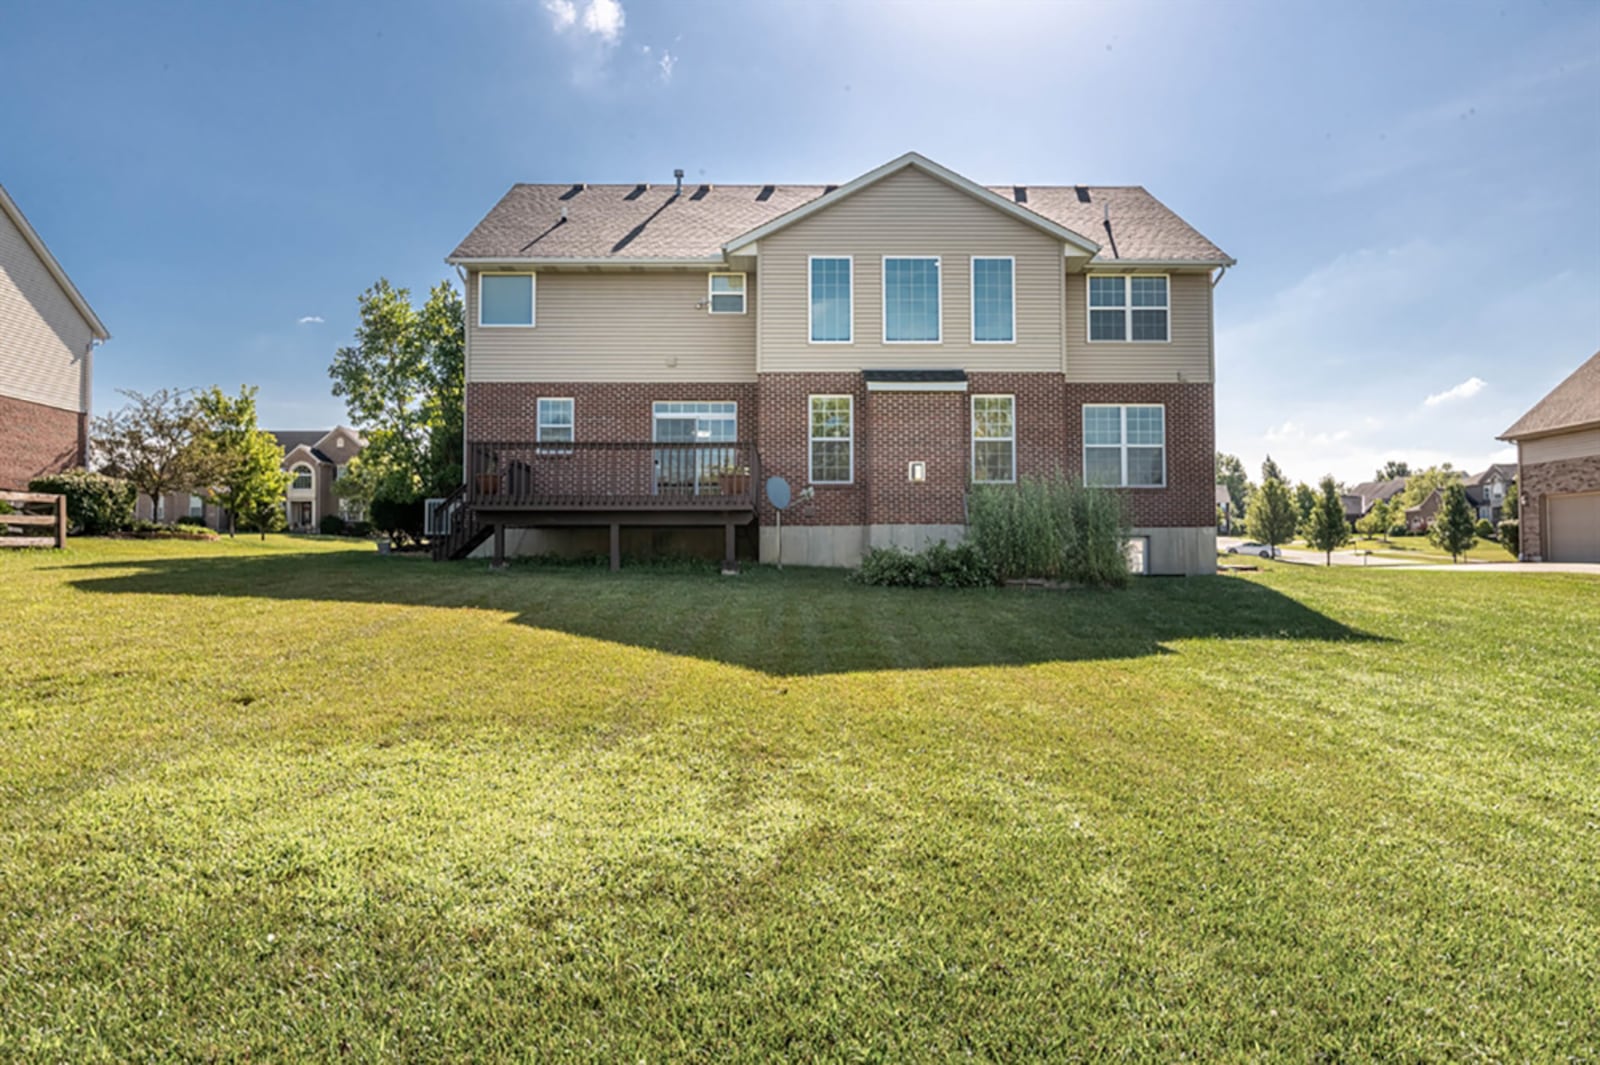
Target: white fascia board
932,169
620,264
916,386
1115,265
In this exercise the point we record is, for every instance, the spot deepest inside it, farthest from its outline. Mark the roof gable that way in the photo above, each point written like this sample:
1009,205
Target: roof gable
9,207
1079,243
1573,404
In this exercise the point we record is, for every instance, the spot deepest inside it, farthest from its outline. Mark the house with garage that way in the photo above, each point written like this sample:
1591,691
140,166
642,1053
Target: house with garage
641,358
1558,471
48,333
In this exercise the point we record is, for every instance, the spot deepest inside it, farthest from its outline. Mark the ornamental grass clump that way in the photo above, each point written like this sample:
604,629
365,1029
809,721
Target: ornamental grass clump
1051,528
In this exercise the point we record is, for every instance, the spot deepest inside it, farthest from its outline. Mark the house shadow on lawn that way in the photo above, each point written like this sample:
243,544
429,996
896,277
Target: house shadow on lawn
794,622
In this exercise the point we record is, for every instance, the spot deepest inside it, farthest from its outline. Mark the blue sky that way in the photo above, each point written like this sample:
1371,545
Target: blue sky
1412,190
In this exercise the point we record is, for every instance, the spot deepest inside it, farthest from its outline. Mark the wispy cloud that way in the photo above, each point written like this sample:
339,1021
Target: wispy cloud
1465,390
311,319
604,19
563,13
668,61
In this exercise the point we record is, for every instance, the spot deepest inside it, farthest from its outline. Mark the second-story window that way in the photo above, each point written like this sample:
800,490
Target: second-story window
911,300
1129,308
505,299
994,305
831,303
727,294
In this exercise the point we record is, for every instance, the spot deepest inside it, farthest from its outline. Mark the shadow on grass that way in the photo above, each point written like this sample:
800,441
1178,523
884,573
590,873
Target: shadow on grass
795,622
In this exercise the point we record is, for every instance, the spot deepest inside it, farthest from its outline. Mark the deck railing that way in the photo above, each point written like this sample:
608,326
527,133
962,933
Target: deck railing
583,475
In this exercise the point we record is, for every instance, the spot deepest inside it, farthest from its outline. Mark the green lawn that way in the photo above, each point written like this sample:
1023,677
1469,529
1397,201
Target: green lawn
1420,549
297,801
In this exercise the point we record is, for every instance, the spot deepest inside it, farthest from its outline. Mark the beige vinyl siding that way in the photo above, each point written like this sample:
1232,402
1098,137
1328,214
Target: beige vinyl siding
1578,444
1186,357
44,341
910,213
617,326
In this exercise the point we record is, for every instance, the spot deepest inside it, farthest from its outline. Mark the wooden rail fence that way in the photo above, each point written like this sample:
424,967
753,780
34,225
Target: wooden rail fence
28,512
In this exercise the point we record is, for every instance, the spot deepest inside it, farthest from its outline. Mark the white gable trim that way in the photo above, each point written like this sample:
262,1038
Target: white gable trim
1084,245
9,206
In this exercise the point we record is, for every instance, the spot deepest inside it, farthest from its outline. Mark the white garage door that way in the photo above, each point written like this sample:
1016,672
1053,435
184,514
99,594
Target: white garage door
1575,528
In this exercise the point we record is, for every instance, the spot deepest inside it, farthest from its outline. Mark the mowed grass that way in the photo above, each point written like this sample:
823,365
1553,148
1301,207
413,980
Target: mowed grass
1420,549
297,801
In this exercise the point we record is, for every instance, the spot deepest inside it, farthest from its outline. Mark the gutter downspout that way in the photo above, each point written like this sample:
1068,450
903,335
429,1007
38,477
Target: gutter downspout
466,364
1221,271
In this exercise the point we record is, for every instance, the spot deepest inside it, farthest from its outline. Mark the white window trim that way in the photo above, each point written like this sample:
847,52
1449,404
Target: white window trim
654,415
1122,414
1127,312
972,431
539,424
810,439
533,300
810,337
972,297
294,474
744,292
883,297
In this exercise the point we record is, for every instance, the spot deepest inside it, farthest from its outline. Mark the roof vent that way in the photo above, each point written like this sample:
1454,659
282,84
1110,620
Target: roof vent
1083,193
678,176
765,194
570,193
701,193
638,190
828,188
1019,193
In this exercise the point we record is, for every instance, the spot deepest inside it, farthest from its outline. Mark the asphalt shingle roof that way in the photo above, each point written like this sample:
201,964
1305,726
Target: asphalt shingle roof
638,222
1574,402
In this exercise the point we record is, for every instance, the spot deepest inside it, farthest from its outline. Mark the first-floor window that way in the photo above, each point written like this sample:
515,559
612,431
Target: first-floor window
832,439
994,439
197,507
1125,446
555,420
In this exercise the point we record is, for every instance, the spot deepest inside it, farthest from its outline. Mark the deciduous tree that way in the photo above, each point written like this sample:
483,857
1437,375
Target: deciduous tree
1271,472
1392,470
1231,475
150,442
1327,528
246,462
1271,519
1454,528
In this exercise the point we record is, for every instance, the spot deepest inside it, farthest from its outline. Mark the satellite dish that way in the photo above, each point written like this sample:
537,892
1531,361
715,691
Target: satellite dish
778,492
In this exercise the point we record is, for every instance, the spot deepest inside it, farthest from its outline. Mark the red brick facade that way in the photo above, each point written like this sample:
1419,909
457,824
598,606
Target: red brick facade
1535,481
891,429
36,439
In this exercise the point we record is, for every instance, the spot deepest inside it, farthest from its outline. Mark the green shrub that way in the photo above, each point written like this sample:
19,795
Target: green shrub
1510,536
331,525
1484,529
398,519
358,528
938,566
1054,528
6,508
96,504
272,519
1399,530
191,519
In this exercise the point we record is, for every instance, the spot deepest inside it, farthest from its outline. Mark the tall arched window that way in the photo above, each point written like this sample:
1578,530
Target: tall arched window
302,477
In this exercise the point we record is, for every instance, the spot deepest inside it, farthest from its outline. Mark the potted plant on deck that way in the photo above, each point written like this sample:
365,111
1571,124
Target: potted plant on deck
733,480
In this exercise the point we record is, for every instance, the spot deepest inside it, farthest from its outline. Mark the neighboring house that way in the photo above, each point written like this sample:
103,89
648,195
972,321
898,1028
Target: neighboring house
644,355
1360,500
316,458
1487,491
1224,504
1558,463
48,333
1419,519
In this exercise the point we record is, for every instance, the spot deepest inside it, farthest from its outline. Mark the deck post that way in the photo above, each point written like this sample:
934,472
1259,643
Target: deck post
61,522
616,547
728,559
499,545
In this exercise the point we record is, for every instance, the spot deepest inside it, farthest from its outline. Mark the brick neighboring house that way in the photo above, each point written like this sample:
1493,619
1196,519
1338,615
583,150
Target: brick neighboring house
48,333
643,357
1558,460
316,457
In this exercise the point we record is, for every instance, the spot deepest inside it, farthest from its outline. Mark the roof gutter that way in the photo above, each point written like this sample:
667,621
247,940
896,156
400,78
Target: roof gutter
1151,264
661,263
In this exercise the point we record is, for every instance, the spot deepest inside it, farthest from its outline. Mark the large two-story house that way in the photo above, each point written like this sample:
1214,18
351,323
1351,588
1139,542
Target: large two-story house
644,356
48,333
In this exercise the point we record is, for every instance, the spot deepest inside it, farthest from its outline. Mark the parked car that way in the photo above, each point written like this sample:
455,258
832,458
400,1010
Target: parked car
1250,547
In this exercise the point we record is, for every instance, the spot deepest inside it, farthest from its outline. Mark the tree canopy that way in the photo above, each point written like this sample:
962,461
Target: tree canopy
402,382
1454,528
1231,475
1421,484
1327,528
1392,470
1271,472
1272,517
245,461
152,443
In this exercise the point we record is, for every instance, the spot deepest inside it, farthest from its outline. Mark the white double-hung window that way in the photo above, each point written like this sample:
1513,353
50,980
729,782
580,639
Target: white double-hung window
832,439
1125,446
994,301
555,422
1132,308
830,285
726,294
994,439
911,299
505,300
